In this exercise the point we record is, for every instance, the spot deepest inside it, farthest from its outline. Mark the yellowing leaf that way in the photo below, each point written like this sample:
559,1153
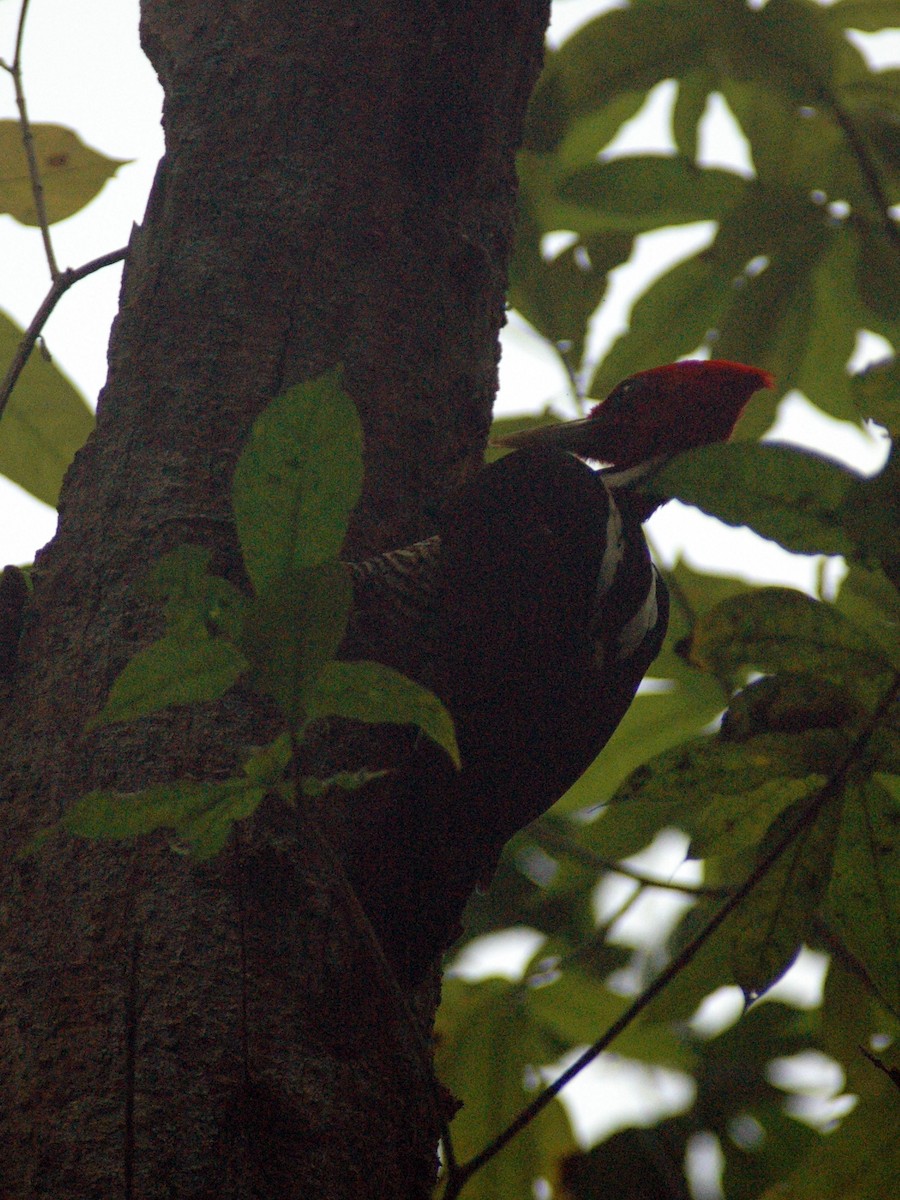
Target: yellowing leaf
71,173
45,422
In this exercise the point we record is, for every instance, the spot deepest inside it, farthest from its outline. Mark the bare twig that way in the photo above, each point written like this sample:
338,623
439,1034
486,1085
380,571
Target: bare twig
37,187
58,288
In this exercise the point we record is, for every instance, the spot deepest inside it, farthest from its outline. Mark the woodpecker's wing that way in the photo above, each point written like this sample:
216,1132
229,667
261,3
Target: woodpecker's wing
550,614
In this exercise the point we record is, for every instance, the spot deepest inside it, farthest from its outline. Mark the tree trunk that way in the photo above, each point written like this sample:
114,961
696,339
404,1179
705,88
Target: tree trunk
338,185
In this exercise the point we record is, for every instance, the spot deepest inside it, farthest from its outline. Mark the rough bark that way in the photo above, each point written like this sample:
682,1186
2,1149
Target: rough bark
338,185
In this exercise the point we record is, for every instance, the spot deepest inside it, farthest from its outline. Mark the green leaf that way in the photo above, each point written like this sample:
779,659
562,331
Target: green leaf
45,422
559,296
372,692
870,15
631,195
293,629
791,703
184,668
769,311
591,133
298,480
725,795
195,600
347,781
868,600
864,897
791,45
775,918
697,290
791,496
619,51
486,1039
876,269
267,764
690,106
576,1008
876,392
201,814
71,173
871,514
778,629
857,1161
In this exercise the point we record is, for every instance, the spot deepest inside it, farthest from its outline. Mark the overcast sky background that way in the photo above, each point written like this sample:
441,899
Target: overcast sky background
83,68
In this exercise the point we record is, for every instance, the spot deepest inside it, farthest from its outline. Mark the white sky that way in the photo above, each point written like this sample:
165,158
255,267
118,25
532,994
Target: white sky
84,68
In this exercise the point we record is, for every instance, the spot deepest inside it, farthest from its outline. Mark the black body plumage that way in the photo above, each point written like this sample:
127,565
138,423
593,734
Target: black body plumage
534,615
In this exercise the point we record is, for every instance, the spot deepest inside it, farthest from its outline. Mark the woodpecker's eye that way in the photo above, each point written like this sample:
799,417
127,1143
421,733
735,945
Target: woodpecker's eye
626,392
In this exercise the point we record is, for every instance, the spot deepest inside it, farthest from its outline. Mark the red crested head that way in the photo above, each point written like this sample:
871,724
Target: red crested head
657,414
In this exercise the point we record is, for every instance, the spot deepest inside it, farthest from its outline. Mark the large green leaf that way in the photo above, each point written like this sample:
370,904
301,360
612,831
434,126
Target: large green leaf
726,794
701,291
777,629
775,919
201,814
45,422
865,14
619,51
298,480
857,1161
768,312
690,105
794,497
197,659
790,44
630,195
864,898
577,1008
872,604
558,296
293,629
71,173
193,598
876,394
184,668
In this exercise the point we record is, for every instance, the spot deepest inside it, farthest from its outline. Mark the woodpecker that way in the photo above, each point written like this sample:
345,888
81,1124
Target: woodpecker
534,614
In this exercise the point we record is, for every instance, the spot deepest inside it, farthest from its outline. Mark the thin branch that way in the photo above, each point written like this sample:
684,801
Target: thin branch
37,187
554,840
58,289
809,813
